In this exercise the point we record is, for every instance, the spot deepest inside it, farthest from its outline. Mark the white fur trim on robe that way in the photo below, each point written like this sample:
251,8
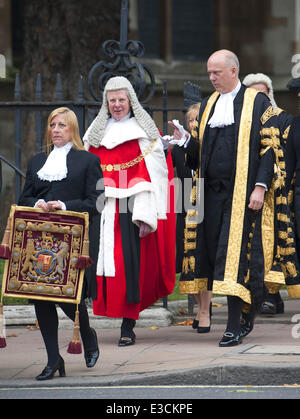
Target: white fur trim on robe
158,172
149,199
119,132
120,193
143,207
128,129
106,261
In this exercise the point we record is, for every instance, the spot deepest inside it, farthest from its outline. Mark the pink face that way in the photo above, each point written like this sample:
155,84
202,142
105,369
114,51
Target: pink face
60,131
222,76
118,104
191,120
260,87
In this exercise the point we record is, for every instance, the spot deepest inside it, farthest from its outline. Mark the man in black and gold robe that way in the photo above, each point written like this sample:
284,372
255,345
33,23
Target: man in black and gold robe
235,148
273,303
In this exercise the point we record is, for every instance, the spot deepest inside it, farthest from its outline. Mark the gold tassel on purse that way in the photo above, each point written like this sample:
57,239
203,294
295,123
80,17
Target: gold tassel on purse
75,345
84,260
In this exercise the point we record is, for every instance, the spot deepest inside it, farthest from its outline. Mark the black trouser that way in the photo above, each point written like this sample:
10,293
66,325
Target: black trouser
127,328
48,323
214,206
235,305
216,197
131,253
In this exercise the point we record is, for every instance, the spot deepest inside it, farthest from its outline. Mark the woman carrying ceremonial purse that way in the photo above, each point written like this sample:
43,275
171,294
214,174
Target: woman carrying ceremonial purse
63,178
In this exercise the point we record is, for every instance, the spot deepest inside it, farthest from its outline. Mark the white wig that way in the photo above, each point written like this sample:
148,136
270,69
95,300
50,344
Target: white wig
261,78
95,133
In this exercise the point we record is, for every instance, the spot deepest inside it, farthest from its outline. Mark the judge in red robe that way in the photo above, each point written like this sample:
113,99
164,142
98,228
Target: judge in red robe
136,258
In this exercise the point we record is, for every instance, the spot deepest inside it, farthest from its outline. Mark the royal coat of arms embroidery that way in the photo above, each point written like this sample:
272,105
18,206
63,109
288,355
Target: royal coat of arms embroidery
45,250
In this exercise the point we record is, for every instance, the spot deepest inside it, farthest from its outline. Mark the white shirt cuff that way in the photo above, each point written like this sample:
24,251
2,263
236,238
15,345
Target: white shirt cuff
37,202
262,184
187,141
63,206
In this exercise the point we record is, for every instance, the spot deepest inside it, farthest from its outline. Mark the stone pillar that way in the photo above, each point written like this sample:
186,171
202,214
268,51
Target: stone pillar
296,44
222,27
166,9
133,20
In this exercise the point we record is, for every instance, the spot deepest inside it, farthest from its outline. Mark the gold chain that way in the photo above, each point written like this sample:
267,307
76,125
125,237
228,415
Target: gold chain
122,166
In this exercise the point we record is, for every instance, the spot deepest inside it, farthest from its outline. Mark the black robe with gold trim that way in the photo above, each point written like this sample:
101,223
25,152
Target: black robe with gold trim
244,253
274,280
284,124
293,173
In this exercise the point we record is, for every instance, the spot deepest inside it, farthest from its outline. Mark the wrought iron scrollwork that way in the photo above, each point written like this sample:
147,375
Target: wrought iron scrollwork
139,74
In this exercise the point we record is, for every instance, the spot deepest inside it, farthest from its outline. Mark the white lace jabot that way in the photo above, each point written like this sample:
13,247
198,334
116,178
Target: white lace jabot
55,167
223,114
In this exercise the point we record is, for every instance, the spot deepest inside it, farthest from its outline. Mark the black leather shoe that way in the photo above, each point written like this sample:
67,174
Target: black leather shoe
202,329
246,327
127,334
91,357
268,308
127,341
229,339
195,324
48,372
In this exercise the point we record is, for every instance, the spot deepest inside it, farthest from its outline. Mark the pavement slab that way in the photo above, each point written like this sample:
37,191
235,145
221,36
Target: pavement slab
163,355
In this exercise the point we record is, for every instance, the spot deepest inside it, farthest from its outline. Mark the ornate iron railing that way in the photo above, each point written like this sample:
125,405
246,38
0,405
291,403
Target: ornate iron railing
85,112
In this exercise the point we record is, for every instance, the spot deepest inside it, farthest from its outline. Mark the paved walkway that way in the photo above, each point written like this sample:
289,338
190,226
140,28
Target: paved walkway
164,353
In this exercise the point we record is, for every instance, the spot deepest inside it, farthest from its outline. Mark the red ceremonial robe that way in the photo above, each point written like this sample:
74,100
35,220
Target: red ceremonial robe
157,250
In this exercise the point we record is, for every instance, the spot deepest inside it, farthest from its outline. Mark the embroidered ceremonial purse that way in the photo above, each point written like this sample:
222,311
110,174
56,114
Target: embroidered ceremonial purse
46,254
